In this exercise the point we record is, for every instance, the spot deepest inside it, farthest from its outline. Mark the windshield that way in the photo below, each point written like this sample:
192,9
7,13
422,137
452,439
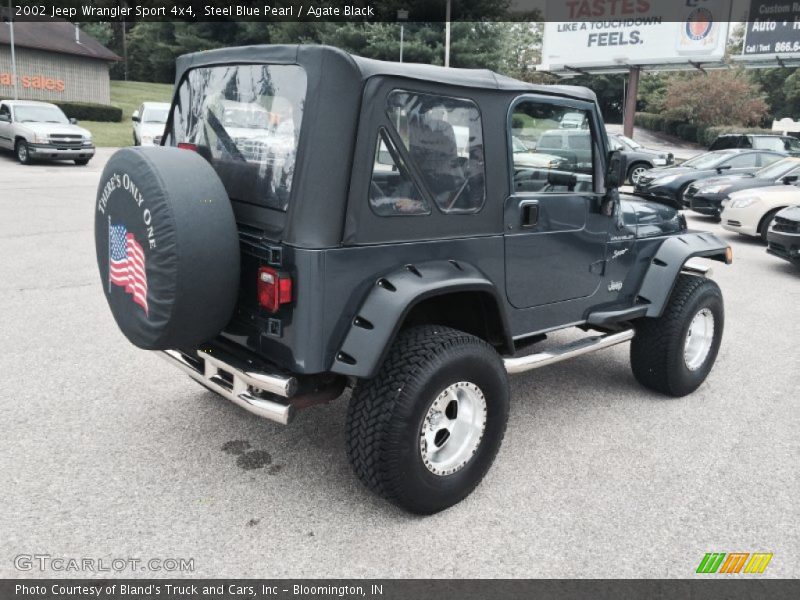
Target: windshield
778,169
709,160
39,113
769,142
629,142
519,145
792,144
155,115
245,120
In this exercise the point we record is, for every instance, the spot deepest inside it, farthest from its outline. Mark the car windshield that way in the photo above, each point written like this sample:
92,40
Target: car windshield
155,115
39,113
778,169
629,142
769,142
709,160
246,116
519,145
792,144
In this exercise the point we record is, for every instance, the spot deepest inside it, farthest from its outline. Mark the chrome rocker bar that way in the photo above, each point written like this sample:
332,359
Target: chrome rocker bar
571,350
237,385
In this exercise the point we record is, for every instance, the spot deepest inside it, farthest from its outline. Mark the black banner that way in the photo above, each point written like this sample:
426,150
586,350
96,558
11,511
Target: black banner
773,28
714,587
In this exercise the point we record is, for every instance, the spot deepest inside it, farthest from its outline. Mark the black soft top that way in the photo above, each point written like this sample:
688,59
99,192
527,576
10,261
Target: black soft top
326,151
341,65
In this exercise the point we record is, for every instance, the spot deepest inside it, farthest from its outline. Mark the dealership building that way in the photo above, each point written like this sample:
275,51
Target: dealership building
55,62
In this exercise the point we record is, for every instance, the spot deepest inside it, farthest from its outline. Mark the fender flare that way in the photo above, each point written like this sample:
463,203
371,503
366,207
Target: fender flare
669,261
389,301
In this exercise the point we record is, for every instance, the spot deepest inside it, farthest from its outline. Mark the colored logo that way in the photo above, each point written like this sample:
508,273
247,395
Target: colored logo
699,24
126,266
734,562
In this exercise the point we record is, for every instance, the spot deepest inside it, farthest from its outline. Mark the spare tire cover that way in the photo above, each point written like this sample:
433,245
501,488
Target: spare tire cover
167,247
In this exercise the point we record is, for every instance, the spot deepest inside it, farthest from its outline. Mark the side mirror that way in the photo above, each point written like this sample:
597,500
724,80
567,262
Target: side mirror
135,116
789,179
722,168
617,168
73,120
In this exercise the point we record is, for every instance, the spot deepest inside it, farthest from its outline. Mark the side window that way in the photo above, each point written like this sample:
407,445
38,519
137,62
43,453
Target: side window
557,157
768,159
391,190
444,139
742,161
5,111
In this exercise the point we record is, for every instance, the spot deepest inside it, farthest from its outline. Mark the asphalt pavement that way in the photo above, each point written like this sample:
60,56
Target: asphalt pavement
107,452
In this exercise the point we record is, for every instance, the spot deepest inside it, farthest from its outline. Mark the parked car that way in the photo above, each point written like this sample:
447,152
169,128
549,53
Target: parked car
148,123
573,120
279,284
527,158
574,145
777,143
638,158
41,131
668,184
750,212
706,196
783,236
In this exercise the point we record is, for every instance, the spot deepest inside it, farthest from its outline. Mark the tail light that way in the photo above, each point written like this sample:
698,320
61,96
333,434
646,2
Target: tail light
274,289
187,146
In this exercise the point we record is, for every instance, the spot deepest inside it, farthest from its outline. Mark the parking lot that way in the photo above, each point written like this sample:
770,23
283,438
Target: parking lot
108,452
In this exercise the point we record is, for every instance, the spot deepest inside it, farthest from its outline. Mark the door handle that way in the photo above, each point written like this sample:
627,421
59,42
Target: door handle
529,214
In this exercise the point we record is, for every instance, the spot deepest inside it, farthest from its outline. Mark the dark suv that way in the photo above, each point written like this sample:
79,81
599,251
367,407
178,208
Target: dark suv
368,229
760,141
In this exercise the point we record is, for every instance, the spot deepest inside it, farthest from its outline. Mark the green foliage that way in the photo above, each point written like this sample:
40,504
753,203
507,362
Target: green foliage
690,131
87,111
782,88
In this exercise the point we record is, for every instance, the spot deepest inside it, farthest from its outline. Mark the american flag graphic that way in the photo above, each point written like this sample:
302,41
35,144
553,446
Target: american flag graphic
126,264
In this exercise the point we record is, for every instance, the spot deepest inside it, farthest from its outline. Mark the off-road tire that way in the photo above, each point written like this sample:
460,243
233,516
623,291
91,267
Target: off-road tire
386,414
22,152
763,226
657,350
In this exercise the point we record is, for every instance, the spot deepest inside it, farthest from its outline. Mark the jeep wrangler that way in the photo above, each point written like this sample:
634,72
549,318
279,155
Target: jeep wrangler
315,221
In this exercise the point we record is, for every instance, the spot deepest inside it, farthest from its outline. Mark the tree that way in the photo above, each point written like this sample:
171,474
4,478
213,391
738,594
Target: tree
721,97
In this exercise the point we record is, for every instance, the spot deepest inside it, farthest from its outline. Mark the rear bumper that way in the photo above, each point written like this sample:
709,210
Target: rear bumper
784,245
53,152
258,391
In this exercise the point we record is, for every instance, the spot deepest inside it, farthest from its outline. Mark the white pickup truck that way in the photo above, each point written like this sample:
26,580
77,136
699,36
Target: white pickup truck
41,131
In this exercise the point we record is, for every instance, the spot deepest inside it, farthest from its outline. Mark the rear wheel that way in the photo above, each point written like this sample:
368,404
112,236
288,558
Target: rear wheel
22,152
426,429
674,353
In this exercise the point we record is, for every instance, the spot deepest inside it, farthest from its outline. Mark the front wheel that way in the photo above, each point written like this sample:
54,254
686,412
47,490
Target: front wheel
424,432
22,152
636,171
674,353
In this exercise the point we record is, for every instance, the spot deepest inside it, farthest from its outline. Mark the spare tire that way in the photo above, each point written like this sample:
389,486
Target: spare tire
167,247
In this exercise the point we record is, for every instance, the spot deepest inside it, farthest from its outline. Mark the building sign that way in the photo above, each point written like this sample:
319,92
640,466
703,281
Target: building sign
773,28
640,32
34,82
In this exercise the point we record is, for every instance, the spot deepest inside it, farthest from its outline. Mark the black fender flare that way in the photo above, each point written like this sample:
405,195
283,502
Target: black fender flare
669,260
390,299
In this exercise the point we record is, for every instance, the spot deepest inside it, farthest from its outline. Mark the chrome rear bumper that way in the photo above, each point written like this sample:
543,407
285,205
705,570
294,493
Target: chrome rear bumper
239,384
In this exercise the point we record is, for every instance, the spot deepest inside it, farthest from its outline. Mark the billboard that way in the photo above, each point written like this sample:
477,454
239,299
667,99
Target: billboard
650,33
773,28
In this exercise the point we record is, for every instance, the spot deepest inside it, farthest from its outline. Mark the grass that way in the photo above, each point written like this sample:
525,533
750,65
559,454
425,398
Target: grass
128,95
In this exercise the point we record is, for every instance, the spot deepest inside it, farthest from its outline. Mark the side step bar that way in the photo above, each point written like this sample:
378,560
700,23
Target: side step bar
238,385
571,350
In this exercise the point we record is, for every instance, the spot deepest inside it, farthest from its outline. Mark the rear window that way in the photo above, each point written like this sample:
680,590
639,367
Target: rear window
725,142
769,143
245,120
